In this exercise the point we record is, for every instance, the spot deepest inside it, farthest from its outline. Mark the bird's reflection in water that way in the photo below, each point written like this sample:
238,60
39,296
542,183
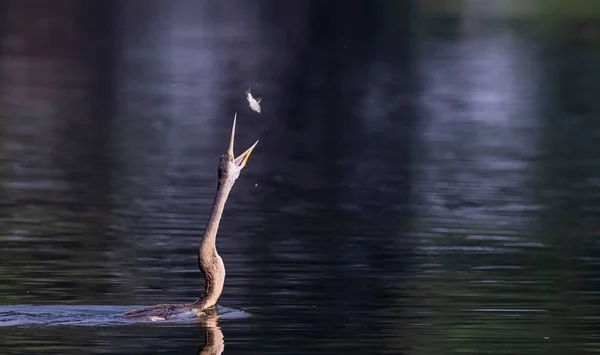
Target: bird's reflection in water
213,336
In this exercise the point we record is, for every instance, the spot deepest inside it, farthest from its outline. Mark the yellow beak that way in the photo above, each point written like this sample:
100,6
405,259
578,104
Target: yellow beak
242,159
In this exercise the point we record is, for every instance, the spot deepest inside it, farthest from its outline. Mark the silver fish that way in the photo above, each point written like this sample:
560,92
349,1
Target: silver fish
252,102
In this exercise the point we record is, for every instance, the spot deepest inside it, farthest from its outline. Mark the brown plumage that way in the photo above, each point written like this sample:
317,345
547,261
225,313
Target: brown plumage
209,262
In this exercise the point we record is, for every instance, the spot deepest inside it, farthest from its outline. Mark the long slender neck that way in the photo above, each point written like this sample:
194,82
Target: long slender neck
209,262
210,234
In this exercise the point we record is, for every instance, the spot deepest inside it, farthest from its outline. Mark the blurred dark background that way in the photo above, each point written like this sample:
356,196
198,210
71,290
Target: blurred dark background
426,179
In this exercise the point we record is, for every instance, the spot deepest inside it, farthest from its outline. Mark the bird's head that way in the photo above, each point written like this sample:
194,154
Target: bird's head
229,164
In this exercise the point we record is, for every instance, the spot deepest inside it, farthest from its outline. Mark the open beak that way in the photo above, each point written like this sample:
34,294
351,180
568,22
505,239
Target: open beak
242,159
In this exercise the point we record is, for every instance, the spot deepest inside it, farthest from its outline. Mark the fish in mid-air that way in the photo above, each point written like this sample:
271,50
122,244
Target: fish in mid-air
252,102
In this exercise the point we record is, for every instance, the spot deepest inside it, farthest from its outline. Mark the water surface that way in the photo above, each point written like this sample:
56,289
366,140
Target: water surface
427,194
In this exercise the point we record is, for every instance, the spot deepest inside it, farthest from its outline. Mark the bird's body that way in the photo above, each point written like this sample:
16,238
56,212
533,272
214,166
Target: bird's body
168,311
252,102
209,261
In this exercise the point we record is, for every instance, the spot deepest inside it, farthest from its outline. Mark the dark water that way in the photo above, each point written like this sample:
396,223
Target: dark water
416,190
